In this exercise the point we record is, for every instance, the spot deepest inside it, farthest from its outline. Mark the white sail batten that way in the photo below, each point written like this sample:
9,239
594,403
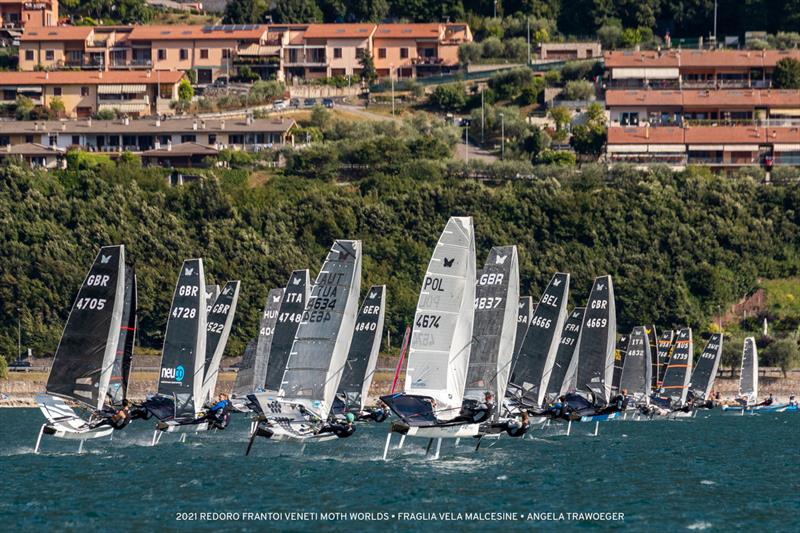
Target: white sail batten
320,348
441,340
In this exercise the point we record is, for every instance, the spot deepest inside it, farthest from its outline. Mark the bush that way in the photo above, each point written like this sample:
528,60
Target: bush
787,74
3,368
246,75
508,84
553,77
469,53
492,47
107,114
579,70
557,157
610,35
266,91
516,50
448,97
185,91
578,90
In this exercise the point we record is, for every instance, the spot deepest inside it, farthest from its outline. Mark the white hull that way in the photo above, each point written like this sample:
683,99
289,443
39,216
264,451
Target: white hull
281,435
174,427
444,432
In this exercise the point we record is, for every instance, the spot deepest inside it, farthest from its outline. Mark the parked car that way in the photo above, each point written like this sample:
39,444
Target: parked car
222,81
328,102
20,366
294,102
277,105
309,102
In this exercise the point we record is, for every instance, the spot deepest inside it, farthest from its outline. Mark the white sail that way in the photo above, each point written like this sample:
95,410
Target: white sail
440,345
218,328
325,331
748,382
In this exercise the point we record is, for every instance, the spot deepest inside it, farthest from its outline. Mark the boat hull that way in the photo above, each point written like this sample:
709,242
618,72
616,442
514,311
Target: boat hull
439,432
172,426
62,432
600,418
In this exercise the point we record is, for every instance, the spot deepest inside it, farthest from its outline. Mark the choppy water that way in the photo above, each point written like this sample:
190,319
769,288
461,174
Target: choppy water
714,473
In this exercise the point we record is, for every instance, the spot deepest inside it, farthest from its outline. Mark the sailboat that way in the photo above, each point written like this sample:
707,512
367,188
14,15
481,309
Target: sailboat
636,376
91,345
363,358
594,358
253,368
663,354
674,389
526,308
494,330
652,338
537,355
218,328
121,371
180,394
441,343
619,362
565,355
300,411
705,372
748,380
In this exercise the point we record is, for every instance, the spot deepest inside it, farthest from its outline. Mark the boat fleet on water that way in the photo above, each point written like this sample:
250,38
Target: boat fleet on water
482,360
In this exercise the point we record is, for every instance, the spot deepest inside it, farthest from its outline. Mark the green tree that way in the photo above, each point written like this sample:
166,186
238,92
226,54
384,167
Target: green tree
448,97
320,118
579,90
368,72
3,368
589,138
367,10
787,74
57,108
561,116
24,107
185,91
783,353
297,11
245,11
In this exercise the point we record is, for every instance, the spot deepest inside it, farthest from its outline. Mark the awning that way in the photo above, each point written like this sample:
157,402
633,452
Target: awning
787,147
626,148
34,89
126,108
645,73
121,89
706,147
741,148
664,148
773,112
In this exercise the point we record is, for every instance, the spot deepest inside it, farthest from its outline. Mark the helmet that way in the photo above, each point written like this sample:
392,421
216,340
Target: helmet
350,417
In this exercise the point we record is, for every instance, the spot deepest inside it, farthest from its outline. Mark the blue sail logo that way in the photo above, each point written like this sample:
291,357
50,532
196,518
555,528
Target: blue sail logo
179,373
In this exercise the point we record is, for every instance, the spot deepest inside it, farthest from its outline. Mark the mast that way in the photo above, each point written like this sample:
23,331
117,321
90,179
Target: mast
183,355
619,361
87,350
121,371
523,320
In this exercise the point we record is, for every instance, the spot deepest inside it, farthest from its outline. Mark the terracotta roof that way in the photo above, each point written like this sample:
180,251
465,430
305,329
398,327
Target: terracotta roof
724,134
183,149
643,135
694,98
697,58
169,126
783,135
31,149
409,31
195,32
69,77
57,33
339,31
703,135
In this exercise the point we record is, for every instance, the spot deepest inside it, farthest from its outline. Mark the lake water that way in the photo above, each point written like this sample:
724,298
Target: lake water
714,472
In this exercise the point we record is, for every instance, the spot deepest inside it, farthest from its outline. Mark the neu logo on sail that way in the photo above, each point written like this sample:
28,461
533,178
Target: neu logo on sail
176,373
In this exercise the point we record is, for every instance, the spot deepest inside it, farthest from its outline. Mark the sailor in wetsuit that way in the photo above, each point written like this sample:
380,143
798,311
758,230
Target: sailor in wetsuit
219,413
341,429
118,420
768,401
378,414
517,428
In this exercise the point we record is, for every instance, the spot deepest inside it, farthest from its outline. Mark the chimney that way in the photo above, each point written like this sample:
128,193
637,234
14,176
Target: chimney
222,124
63,126
158,122
646,130
46,75
194,125
157,145
249,119
149,73
35,126
169,145
126,121
89,122
100,74
203,124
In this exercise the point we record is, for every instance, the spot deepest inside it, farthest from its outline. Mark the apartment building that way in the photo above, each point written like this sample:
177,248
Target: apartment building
114,136
418,50
303,51
85,93
28,14
715,108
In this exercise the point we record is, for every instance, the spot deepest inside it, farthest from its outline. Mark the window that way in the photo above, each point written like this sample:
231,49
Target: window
56,91
404,53
204,53
76,140
337,53
188,138
162,54
49,55
381,53
184,54
28,55
629,119
29,138
53,137
5,140
212,138
226,53
84,91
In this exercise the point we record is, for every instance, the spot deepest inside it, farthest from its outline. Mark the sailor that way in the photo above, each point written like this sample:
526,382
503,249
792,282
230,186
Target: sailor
517,428
792,401
620,401
219,413
768,401
378,414
556,407
485,409
341,430
118,420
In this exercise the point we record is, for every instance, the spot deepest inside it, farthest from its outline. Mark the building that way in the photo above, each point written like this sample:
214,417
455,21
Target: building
36,155
304,51
184,155
569,51
715,108
115,136
28,14
83,94
418,50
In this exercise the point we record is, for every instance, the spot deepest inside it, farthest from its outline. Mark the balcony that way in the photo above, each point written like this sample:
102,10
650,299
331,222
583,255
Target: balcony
429,61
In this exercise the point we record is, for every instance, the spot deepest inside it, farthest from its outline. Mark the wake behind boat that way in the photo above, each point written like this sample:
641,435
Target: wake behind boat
96,344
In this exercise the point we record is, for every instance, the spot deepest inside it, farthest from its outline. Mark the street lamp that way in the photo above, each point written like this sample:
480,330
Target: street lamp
19,332
495,8
502,137
483,119
466,123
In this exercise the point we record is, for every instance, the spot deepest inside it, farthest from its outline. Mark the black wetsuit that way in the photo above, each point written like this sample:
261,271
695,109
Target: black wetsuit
516,428
340,430
108,420
378,414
